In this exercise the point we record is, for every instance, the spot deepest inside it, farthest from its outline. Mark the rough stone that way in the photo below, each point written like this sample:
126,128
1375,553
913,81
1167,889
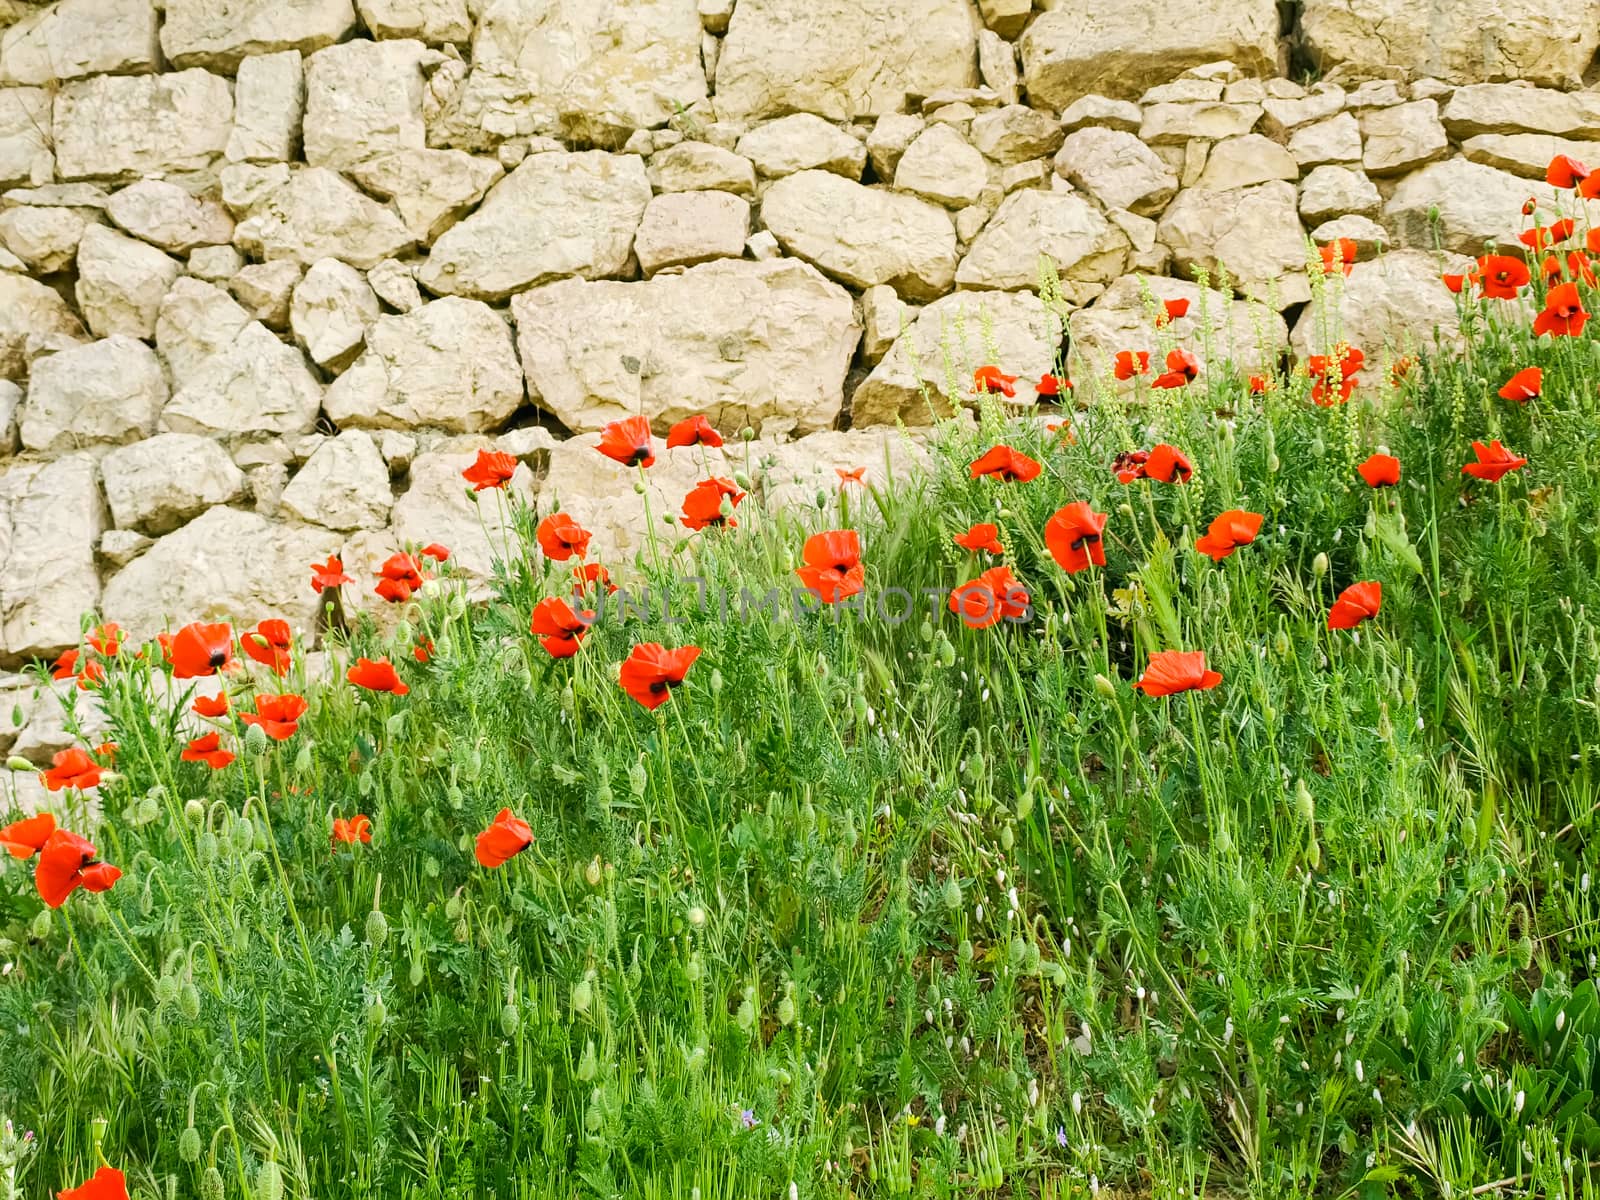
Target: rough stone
269,108
1335,140
1526,154
435,508
33,317
803,142
119,547
431,189
997,64
759,343
1117,169
1370,238
700,166
1394,304
1516,108
891,135
1281,114
107,391
266,290
215,263
51,517
1122,115
256,385
330,313
10,406
1015,134
1006,17
75,38
364,99
168,217
395,285
1253,234
940,166
883,317
1081,243
449,365
26,136
220,34
343,485
1402,138
44,239
556,214
435,22
715,15
121,283
156,485
129,126
197,320
1211,122
1244,161
683,228
1476,205
1333,191
315,214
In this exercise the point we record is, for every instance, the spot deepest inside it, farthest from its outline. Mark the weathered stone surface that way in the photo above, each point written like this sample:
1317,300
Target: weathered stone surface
121,283
759,343
330,313
168,217
1514,108
700,166
222,33
1116,48
1254,234
106,391
1335,140
1475,205
266,290
75,38
884,316
1117,169
43,733
1462,41
10,405
803,142
364,99
1006,17
1403,137
1526,154
997,64
891,134
225,565
431,189
449,365
1084,246
1123,115
1395,304
318,214
1245,161
269,108
556,214
1026,338
1167,123
684,228
25,136
1333,191
435,22
940,166
154,486
576,70
255,385
344,485
119,547
213,263
126,126
395,285
1370,238
197,320
32,317
863,236
1283,113
1015,134
44,239
51,517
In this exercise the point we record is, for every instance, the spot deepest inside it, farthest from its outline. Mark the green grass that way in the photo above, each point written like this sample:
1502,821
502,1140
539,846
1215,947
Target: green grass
878,909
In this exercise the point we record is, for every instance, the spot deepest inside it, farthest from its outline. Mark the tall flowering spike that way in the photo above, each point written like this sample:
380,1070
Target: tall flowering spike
1357,603
1005,464
693,431
1170,672
68,862
493,469
1525,385
329,574
1563,315
651,672
1494,463
506,837
559,629
199,649
376,675
1228,532
25,838
561,538
832,565
628,442
1380,471
992,379
1501,276
1073,537
107,1183
704,506
992,597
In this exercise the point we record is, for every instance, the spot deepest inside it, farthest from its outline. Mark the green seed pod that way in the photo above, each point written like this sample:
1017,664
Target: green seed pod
946,651
693,970
189,1002
582,995
377,1012
786,1011
269,1182
18,763
741,480
241,835
1523,952
1304,803
194,811
415,974
716,682
377,930
189,1145
638,777
211,1185
302,758
510,1020
588,1066
255,739
454,907
925,630
1008,839
205,847
745,1018
593,874
964,951
1024,806
952,893
1319,565
167,989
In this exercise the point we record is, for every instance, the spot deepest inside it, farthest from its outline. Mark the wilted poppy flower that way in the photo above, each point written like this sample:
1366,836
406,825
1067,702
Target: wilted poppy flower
1455,283
72,768
207,749
1381,470
833,565
590,574
981,537
1339,255
1063,430
1228,532
857,475
399,577
271,643
1053,385
651,671
506,838
1129,465
1182,369
1171,310
1400,369
559,629
197,650
1501,276
1167,464
994,596
1073,537
1170,672
493,469
376,675
1129,363
1525,385
357,829
1357,603
991,379
1494,462
1005,464
1565,172
703,506
628,442
561,538
66,863
1542,236
1563,314
693,431
278,716
25,838
329,574
434,551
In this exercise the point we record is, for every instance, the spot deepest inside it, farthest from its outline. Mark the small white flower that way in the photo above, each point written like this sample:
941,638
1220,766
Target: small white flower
1521,1099
1077,1103
1361,1073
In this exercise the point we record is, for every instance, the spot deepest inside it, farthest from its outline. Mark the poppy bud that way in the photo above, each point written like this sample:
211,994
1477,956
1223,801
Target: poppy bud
1280,644
693,969
747,434
637,778
952,893
1524,952
1274,463
1105,687
946,651
189,1145
569,700
510,1020
189,1002
241,834
40,929
582,995
697,917
205,847
1304,803
822,498
269,1182
255,739
742,480
17,763
746,1016
588,1066
403,633
194,811
716,682
786,1011
211,1185
1319,565
926,632
416,973
377,930
669,519
638,488
166,989
377,1012
592,873
1008,839
964,950
144,810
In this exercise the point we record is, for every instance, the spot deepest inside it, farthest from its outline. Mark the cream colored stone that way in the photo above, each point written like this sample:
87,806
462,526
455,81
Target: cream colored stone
1245,161
1252,234
1371,239
344,485
1526,154
1117,169
33,317
127,126
168,217
196,321
1389,307
269,108
75,38
683,228
1280,114
1475,205
435,22
364,99
884,316
891,135
121,283
1082,245
255,385
395,285
1515,108
110,391
802,142
318,214
1015,134
330,313
1399,139
44,239
940,166
51,517
1213,122
431,189
220,34
1333,191
699,166
267,290
997,65
1121,115
215,263
1335,140
25,136
157,485
435,508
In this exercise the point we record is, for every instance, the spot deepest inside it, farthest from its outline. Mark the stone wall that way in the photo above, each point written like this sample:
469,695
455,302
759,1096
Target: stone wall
271,270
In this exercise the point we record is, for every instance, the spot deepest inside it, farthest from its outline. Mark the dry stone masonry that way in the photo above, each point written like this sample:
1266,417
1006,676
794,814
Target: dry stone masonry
271,271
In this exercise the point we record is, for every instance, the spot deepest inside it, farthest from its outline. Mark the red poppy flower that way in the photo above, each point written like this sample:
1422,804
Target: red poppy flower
423,650
1542,236
1357,603
376,675
1320,369
1530,206
693,431
1565,172
1167,464
1005,464
1580,268
278,716
1563,315
107,751
1073,537
271,643
1228,532
399,577
1381,470
561,538
651,671
833,565
72,768
493,469
1053,385
1171,310
628,442
994,596
590,574
66,667
434,551
981,537
703,506
211,706
1129,465
1455,282
1170,672
1494,463
66,863
25,838
559,629
106,1184
1182,369
1259,386
197,650
329,574
106,640
856,475
506,838
207,749
1501,276
1339,255
1525,385
1129,363
1592,238
1063,430
990,379
357,829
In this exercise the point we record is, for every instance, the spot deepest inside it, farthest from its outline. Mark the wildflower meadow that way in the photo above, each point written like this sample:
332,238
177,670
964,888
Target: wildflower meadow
1191,791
